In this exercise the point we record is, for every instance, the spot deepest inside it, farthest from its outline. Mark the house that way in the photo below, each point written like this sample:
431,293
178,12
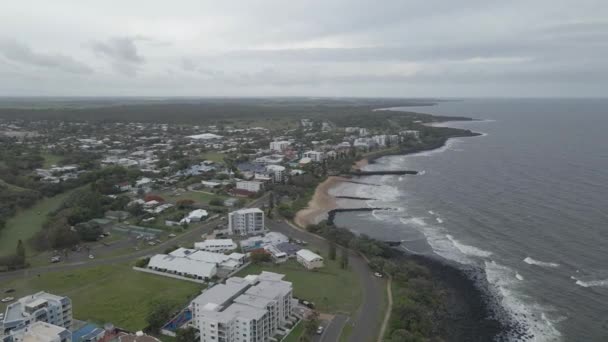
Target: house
216,245
270,238
304,161
195,216
246,221
210,184
279,146
309,259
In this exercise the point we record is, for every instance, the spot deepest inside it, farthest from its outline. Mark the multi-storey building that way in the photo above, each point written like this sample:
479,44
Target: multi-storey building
39,307
279,145
315,156
39,332
249,309
277,172
251,186
246,221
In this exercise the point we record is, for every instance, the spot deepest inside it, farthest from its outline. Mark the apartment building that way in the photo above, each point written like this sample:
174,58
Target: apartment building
39,307
251,186
249,309
277,172
246,221
39,332
315,156
279,146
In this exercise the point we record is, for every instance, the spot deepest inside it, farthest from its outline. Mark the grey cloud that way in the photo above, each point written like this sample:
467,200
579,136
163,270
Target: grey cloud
23,54
121,52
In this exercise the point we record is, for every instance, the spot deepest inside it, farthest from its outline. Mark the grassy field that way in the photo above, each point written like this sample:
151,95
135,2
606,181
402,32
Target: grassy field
214,156
27,222
331,289
112,293
294,335
196,196
50,159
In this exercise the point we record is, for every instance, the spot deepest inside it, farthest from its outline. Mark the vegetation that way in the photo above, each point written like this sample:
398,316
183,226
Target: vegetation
158,314
418,300
330,288
111,293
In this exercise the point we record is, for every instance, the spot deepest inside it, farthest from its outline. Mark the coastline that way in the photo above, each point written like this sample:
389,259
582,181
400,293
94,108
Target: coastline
472,312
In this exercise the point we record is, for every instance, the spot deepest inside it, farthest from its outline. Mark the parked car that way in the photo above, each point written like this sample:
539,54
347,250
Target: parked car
91,256
379,275
7,299
56,259
320,330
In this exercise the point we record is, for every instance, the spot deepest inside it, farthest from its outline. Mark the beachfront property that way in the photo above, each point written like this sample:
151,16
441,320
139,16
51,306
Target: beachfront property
39,307
309,259
216,245
249,309
39,332
277,172
255,242
246,221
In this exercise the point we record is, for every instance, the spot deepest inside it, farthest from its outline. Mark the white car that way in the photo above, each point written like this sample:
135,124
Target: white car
320,330
7,299
91,256
379,275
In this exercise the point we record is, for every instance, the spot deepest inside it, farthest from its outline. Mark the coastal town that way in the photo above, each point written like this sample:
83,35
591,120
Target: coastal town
214,231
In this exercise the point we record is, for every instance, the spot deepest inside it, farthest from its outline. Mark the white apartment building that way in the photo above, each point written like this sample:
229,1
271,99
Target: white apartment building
39,307
309,259
249,309
246,221
216,245
252,186
315,156
279,146
39,332
277,172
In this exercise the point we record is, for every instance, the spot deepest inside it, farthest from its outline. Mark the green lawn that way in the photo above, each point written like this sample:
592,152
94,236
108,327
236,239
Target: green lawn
50,159
294,335
331,289
196,196
27,222
112,293
214,156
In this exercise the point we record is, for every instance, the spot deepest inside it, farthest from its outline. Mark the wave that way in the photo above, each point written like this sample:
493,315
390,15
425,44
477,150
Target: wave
438,219
529,315
591,283
531,261
469,250
519,276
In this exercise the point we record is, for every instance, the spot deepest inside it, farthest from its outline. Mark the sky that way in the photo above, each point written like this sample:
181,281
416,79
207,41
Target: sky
382,48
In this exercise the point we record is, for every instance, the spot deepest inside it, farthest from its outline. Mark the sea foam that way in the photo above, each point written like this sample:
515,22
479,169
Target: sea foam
531,261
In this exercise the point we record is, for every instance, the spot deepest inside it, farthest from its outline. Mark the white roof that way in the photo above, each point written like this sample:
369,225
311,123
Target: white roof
205,136
275,168
198,213
215,242
308,255
248,210
183,265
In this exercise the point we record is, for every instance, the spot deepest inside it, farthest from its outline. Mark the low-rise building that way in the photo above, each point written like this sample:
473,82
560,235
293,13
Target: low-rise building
309,259
314,156
279,146
252,186
216,245
39,332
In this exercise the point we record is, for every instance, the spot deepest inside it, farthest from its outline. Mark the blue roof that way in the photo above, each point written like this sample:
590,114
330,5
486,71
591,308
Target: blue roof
86,333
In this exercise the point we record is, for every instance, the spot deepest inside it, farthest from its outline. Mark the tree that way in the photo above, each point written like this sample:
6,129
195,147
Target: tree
259,256
310,325
217,202
344,259
186,335
159,314
332,250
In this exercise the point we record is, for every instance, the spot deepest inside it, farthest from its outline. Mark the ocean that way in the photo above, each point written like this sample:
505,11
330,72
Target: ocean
527,202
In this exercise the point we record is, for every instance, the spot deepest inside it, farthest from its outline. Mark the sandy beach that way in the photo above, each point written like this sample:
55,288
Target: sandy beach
360,164
320,204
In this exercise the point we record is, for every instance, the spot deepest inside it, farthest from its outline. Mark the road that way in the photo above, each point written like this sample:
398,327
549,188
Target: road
333,330
367,320
193,234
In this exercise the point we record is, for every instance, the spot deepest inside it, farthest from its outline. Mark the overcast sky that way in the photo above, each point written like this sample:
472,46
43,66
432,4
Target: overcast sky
396,48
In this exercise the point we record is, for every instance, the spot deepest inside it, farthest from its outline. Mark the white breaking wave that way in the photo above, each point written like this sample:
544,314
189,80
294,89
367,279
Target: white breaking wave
439,220
431,212
592,283
421,173
467,249
521,310
531,261
519,276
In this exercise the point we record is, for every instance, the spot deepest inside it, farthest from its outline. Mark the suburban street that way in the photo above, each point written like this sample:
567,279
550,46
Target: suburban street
367,320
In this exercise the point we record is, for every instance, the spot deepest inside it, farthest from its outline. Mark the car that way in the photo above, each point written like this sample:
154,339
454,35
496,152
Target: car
172,235
56,259
7,299
91,256
320,330
378,274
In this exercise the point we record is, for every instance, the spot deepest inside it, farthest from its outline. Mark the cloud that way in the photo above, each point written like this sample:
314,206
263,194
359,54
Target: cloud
23,54
121,52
